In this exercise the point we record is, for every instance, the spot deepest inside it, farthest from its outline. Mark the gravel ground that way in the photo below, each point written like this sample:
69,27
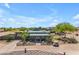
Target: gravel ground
3,43
69,49
32,52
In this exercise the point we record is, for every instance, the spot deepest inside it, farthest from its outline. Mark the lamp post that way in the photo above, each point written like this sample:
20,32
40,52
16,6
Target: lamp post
25,50
64,53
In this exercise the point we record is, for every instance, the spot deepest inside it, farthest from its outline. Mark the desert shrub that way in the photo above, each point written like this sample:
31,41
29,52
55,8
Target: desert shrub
69,40
72,40
24,36
8,38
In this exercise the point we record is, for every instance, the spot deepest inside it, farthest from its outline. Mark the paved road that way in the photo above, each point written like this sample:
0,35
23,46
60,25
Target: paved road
8,48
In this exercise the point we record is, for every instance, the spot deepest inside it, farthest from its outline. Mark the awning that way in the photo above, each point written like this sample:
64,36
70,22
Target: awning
39,34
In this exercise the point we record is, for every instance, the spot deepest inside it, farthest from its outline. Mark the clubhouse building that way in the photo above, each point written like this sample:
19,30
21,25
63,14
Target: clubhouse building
36,36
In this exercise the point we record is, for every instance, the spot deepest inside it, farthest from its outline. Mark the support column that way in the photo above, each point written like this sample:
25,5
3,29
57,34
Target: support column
40,40
35,39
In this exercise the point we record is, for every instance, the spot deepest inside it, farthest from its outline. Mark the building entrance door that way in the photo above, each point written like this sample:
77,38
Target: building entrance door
38,40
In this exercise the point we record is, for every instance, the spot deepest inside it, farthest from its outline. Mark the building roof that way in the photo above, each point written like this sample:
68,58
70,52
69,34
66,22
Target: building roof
38,31
39,34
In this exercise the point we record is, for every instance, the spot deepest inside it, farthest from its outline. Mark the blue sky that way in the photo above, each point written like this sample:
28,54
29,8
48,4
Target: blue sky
36,15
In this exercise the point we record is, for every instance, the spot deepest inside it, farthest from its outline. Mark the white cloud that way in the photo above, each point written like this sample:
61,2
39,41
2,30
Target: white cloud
76,23
54,23
1,22
75,20
22,21
7,5
76,16
55,20
12,20
2,12
30,20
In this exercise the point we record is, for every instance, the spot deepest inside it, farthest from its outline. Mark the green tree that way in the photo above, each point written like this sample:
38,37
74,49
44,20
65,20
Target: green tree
8,29
64,27
54,38
23,28
24,36
8,38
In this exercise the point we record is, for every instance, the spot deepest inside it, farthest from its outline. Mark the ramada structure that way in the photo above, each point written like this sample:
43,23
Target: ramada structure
37,36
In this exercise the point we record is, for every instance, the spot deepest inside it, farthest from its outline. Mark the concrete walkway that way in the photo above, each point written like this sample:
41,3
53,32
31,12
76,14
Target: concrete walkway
8,48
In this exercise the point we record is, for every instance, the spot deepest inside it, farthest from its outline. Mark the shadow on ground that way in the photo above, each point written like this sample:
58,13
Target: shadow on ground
31,52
